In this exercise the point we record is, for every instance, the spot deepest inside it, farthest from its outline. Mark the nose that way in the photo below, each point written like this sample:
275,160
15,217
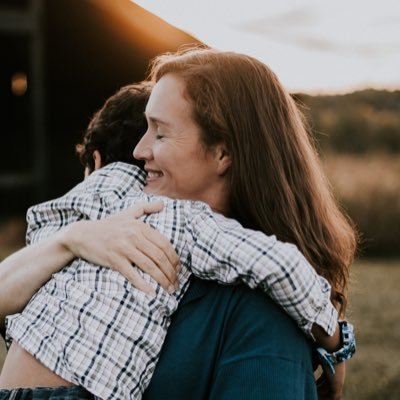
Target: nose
143,150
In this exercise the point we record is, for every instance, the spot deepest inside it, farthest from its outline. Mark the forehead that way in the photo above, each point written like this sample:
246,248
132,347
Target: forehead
168,102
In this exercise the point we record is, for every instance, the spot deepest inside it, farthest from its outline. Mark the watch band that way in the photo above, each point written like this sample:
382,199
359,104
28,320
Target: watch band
345,352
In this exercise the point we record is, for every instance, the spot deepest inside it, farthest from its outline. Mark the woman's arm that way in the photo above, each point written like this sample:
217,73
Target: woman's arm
25,271
115,242
330,386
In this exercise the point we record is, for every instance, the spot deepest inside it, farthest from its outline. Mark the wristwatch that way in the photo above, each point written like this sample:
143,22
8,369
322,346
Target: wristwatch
347,350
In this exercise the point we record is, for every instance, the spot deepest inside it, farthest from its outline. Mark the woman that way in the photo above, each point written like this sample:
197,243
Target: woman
221,130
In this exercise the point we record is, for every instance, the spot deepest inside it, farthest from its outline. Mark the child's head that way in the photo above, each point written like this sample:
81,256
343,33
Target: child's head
116,128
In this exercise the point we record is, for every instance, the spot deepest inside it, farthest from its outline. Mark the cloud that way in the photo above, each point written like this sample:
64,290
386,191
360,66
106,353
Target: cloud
298,17
307,28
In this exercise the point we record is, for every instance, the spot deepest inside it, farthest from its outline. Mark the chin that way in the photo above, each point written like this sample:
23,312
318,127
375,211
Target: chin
154,190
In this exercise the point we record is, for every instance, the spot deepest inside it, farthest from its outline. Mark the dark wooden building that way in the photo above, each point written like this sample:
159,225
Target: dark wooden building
60,59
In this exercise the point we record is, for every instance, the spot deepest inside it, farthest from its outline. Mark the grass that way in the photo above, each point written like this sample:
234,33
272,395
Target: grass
374,373
356,177
368,188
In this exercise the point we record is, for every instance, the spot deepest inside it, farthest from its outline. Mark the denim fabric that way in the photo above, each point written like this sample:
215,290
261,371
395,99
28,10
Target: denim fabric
48,393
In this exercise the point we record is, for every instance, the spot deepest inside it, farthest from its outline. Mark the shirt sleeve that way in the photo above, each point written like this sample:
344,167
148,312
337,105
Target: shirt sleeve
46,218
222,250
93,198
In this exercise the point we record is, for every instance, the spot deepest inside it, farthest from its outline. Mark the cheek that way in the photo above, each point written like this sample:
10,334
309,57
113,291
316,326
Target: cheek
165,159
159,151
168,156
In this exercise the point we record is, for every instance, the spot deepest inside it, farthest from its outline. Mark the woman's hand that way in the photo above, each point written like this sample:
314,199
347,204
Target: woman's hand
330,386
122,240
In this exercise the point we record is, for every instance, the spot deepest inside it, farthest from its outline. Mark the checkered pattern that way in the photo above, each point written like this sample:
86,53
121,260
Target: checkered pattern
90,326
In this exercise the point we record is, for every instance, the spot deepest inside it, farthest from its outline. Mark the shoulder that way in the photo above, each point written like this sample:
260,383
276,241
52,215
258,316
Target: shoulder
118,177
226,339
241,316
252,324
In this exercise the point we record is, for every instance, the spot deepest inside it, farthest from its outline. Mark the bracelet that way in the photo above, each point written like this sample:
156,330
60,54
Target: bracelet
345,352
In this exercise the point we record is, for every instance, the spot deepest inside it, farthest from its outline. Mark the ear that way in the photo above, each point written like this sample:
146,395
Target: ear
97,160
223,159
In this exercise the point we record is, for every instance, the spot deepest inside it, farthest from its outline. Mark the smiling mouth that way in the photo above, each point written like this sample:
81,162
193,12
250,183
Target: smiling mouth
152,175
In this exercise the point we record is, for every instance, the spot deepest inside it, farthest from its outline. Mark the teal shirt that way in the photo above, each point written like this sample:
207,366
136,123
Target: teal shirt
232,343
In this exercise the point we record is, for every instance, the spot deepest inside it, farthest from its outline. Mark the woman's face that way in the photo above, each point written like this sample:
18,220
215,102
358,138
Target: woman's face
176,162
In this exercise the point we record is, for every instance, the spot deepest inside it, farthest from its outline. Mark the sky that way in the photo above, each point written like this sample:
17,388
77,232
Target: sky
314,46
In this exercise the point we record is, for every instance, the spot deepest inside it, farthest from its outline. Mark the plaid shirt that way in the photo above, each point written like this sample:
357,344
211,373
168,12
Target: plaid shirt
90,326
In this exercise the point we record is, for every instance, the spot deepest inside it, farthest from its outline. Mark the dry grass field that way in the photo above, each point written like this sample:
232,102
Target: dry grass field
368,187
374,373
360,177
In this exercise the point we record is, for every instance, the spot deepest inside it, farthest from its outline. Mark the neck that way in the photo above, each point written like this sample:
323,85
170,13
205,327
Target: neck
218,200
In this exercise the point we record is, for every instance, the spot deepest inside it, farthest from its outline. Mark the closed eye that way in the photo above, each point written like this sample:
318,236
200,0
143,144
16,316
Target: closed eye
159,132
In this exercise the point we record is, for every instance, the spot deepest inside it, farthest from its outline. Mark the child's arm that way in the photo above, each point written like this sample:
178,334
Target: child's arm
24,272
223,250
91,199
107,242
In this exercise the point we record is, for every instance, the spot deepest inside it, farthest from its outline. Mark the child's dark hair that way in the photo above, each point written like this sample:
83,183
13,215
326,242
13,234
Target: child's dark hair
117,127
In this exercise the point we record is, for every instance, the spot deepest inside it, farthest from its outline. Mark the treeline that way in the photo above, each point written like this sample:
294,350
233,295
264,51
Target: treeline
358,135
362,122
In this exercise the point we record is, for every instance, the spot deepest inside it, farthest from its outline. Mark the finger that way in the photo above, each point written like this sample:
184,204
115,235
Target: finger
160,262
139,283
141,209
138,249
153,206
130,273
147,265
162,243
153,235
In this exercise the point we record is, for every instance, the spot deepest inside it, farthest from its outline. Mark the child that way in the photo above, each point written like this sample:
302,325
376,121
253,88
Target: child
116,128
90,326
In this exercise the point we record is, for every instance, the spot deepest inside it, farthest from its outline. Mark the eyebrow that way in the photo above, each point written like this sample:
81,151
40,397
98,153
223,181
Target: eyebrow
156,120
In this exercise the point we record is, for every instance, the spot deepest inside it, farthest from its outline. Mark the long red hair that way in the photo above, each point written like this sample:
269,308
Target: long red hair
277,184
